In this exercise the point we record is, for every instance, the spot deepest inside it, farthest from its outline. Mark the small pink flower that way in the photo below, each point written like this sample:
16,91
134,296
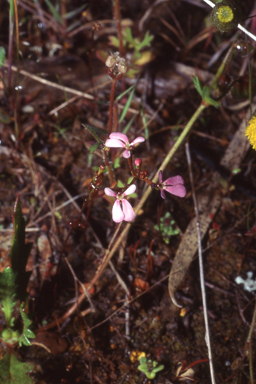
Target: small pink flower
173,185
124,212
120,140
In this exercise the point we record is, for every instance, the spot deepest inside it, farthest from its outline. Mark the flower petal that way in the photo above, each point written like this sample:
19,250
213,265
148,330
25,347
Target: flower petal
117,213
114,143
163,194
130,190
138,140
129,214
109,192
119,136
126,154
177,190
174,180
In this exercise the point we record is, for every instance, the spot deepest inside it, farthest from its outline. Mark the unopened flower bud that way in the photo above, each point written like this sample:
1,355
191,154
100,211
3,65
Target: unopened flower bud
137,163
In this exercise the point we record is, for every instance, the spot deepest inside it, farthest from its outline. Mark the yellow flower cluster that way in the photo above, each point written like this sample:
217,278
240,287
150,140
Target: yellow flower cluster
225,14
251,132
136,355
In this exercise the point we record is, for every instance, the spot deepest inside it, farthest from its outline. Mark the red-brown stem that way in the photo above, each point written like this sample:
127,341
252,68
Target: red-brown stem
115,118
63,12
137,175
10,46
110,173
131,167
119,30
87,215
111,104
149,261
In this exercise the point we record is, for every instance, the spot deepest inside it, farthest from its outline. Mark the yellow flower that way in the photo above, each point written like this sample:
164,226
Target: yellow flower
251,132
225,14
136,355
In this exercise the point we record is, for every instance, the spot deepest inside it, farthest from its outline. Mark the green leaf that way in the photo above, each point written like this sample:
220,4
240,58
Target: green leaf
126,91
143,367
2,56
126,129
94,131
120,184
27,333
116,163
7,293
150,375
75,12
128,36
56,15
94,147
197,85
206,97
158,368
205,93
13,371
146,42
20,252
127,105
113,41
145,124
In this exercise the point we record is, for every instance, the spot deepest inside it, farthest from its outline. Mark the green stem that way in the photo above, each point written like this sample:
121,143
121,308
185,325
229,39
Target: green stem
222,67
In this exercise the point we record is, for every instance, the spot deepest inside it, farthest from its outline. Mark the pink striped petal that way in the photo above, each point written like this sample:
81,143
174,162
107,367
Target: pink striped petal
130,190
119,136
129,214
160,176
177,190
109,192
117,213
174,180
126,154
162,194
114,143
138,140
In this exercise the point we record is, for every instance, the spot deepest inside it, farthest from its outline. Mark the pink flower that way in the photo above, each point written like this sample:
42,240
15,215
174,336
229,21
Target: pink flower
120,140
173,185
124,212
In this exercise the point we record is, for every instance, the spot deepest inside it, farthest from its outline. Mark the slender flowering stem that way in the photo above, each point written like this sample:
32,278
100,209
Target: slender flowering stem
134,174
209,2
111,106
110,252
110,173
118,22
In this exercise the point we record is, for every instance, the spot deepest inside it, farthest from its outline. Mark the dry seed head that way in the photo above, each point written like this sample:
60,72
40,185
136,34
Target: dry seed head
116,64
